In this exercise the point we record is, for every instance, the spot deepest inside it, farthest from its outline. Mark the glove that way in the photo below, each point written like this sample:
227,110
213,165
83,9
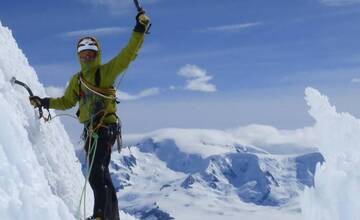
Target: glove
142,21
38,102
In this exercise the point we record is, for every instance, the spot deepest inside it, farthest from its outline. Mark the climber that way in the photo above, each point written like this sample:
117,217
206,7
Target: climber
93,89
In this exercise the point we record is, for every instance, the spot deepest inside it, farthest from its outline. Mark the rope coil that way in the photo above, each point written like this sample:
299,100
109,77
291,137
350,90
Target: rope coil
108,93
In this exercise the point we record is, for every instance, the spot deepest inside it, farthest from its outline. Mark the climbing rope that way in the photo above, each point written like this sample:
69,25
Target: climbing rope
109,93
68,115
91,148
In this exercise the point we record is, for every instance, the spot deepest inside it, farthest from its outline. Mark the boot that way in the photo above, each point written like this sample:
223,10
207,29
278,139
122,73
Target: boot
93,218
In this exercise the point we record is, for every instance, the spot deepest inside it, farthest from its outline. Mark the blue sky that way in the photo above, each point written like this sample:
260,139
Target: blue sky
207,63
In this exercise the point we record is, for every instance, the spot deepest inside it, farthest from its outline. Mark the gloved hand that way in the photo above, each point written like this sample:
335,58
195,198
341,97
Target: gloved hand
142,21
38,102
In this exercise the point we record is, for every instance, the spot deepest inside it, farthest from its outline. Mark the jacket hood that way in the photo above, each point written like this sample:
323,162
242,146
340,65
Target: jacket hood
86,67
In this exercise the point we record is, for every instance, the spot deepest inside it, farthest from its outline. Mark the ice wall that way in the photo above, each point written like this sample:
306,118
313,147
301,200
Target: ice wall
40,176
337,181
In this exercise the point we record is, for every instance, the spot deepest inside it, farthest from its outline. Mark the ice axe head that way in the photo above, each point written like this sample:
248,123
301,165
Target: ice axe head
12,80
138,6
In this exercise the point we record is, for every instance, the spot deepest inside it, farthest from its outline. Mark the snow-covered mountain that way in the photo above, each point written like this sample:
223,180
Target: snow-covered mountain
211,174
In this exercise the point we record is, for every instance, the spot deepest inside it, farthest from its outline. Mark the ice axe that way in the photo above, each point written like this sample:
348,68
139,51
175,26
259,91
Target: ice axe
139,8
14,81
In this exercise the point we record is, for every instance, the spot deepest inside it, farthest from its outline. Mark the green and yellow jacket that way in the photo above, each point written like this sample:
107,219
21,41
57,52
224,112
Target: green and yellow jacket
91,104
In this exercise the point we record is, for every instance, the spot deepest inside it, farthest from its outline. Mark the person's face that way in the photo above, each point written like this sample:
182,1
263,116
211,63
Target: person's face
87,56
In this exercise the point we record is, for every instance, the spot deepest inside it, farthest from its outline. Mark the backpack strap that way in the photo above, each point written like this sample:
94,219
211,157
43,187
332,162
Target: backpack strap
97,78
81,92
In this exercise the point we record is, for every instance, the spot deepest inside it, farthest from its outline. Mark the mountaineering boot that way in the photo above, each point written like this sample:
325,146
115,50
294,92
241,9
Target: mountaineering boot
93,218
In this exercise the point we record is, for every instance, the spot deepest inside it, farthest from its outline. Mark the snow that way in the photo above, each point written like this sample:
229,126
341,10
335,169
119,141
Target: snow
210,174
39,172
337,181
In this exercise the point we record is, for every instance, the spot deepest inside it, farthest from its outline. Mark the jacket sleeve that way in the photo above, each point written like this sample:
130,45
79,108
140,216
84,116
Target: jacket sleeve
69,99
118,64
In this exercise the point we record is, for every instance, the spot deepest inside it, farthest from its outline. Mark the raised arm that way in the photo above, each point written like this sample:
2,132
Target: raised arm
120,63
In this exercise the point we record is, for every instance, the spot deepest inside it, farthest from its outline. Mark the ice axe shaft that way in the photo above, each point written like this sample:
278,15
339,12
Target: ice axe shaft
138,6
13,81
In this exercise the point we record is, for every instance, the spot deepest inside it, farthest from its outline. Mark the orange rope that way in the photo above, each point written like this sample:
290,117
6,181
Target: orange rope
103,91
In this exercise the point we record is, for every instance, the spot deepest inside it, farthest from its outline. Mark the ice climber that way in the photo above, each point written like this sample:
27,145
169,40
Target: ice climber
93,89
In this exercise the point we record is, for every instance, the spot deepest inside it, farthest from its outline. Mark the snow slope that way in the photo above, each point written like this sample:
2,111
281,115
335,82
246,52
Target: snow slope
337,182
40,174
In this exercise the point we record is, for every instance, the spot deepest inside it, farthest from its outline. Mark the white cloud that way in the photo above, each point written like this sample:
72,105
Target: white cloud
172,87
96,31
116,6
355,80
145,93
57,70
53,91
339,2
263,135
197,79
233,27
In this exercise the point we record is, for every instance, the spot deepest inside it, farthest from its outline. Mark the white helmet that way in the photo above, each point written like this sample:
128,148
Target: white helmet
87,43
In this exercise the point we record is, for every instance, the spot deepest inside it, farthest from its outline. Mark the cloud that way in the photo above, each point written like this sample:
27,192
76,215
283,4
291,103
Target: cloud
264,135
145,93
339,2
53,91
197,79
116,6
233,27
355,80
58,69
96,31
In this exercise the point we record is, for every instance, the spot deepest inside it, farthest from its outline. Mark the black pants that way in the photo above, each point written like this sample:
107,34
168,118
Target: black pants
106,204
